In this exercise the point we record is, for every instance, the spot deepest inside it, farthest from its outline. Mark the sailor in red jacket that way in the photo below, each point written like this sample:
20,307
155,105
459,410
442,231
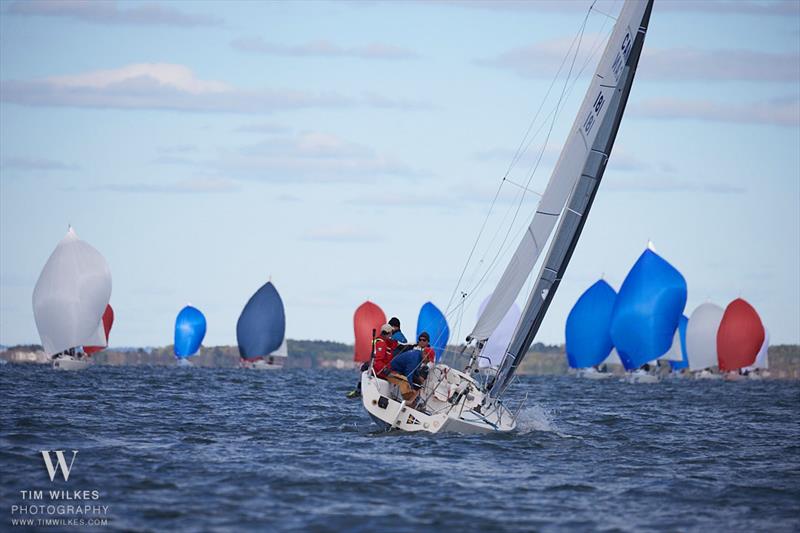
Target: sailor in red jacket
383,351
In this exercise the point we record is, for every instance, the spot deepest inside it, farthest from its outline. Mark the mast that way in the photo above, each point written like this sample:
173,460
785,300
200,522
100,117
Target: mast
594,134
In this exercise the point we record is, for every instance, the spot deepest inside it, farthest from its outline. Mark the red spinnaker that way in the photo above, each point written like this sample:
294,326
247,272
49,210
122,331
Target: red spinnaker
367,317
739,337
108,321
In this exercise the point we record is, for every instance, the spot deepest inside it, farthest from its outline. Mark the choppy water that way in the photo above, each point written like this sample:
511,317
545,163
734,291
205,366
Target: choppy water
219,450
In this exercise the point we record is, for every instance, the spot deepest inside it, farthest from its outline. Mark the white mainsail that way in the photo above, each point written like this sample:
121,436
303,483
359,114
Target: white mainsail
674,353
282,351
568,169
71,295
701,336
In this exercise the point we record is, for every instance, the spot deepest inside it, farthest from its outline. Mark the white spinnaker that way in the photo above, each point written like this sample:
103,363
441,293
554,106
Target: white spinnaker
762,359
282,351
71,294
98,338
674,353
567,170
495,347
701,336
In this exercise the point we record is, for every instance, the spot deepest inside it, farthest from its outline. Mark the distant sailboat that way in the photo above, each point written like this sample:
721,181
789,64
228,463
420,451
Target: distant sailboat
102,332
190,329
646,313
739,337
701,340
70,297
432,320
261,330
588,341
453,400
367,322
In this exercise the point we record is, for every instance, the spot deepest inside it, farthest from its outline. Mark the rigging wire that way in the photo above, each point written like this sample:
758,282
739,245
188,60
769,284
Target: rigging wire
521,150
594,48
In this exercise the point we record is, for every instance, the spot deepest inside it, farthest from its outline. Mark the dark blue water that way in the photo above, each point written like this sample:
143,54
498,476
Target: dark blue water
220,450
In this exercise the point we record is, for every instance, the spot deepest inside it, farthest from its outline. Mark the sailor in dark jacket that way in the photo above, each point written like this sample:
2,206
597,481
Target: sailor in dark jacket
409,370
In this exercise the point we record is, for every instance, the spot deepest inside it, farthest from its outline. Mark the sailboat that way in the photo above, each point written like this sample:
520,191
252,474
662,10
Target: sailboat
739,338
701,340
190,329
646,314
453,400
588,341
69,299
261,329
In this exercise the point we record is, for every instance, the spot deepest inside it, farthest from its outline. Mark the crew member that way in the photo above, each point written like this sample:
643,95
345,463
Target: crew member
383,351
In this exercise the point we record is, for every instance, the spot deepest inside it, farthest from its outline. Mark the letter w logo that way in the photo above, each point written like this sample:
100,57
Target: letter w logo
62,463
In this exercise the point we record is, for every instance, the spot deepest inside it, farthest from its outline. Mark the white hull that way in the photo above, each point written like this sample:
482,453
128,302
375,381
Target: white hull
68,362
707,375
262,364
184,363
592,374
386,407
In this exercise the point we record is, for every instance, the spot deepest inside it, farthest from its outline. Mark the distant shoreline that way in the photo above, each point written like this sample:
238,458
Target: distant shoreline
784,359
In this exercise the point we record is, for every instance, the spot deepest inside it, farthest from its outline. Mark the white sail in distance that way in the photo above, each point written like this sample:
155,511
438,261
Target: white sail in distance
701,336
568,169
71,294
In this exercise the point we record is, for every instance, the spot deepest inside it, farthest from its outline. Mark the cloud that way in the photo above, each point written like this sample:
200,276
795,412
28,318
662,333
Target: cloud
668,185
171,87
35,164
323,49
719,65
264,127
782,112
190,186
731,7
309,156
109,12
543,59
340,233
621,160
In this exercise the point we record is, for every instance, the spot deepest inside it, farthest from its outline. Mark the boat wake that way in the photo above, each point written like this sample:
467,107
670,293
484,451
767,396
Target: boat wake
538,418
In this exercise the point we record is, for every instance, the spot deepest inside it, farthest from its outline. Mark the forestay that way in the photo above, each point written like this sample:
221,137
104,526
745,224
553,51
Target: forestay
574,182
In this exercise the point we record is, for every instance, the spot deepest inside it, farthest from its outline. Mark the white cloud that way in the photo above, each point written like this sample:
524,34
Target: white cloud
109,12
171,87
784,112
309,156
340,233
35,164
542,60
662,184
177,77
731,7
189,186
323,48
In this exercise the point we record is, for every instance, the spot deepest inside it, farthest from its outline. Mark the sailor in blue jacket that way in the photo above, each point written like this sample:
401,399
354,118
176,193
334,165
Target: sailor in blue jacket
409,370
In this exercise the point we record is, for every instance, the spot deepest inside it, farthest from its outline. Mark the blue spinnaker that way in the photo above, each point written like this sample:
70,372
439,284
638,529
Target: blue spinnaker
190,328
647,311
684,363
262,324
434,322
587,331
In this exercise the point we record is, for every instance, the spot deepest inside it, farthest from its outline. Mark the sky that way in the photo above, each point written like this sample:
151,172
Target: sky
351,150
